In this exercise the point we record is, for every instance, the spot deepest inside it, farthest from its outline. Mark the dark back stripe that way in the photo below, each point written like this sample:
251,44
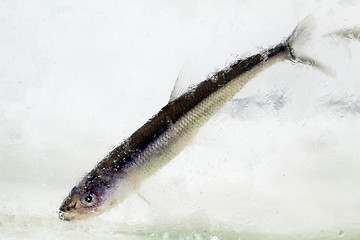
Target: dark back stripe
174,110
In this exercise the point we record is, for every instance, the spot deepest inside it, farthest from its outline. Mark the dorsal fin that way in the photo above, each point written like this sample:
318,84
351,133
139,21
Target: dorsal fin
198,67
191,74
180,87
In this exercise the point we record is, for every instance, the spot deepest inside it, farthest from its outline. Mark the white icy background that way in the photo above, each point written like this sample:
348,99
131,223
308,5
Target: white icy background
77,77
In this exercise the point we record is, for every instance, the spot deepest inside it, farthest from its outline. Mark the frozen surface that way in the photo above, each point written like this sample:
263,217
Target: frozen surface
281,161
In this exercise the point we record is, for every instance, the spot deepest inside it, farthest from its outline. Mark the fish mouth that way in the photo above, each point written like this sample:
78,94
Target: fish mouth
71,215
65,211
65,216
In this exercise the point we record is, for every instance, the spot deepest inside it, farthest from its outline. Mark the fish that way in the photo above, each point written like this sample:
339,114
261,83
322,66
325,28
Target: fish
168,132
346,33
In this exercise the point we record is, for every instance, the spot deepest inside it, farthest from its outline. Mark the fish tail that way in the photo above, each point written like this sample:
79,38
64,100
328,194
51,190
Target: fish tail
302,35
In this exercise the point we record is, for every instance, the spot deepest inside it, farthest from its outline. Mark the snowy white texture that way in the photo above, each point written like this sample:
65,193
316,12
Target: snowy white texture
281,161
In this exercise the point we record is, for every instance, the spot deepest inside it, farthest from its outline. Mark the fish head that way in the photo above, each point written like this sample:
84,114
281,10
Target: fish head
84,201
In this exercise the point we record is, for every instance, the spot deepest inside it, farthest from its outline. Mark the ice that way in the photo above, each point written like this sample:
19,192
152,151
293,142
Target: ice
281,161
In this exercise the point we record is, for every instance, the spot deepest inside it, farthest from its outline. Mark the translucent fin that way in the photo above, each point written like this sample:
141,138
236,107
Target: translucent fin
317,65
180,87
301,37
191,74
143,198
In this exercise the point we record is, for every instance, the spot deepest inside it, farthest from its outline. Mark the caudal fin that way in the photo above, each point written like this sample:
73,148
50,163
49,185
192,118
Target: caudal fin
302,35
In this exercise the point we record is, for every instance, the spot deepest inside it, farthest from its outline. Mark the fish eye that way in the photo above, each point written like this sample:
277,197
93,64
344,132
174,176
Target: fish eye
89,199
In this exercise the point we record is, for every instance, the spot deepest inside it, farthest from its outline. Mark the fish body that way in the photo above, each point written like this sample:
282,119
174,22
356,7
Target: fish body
348,33
165,135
